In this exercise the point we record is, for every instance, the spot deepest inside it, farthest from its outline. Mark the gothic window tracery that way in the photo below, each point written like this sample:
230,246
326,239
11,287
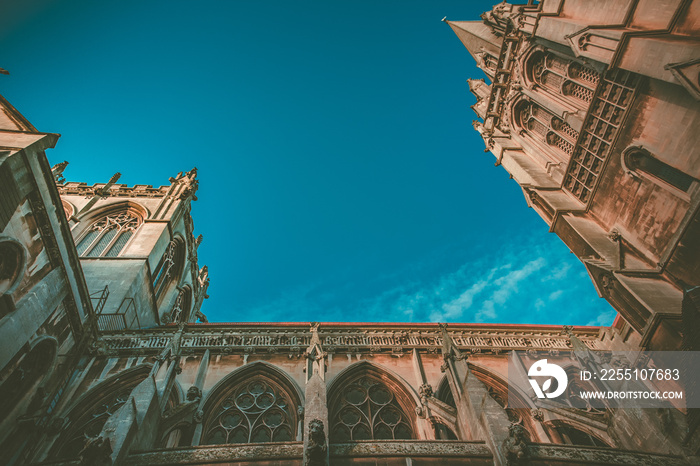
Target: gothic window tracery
87,419
255,411
542,125
181,308
108,236
168,266
563,77
368,410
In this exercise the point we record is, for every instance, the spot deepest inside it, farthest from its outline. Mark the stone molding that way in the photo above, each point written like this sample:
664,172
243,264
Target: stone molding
271,339
217,453
576,454
411,448
116,190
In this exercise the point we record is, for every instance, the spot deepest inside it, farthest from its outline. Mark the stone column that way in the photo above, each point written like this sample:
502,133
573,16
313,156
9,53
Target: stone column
316,407
479,415
195,391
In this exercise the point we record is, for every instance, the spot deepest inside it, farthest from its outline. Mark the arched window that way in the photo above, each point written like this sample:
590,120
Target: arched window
562,77
544,126
169,266
181,309
442,432
12,261
87,419
570,435
256,410
28,371
444,393
367,409
108,236
640,160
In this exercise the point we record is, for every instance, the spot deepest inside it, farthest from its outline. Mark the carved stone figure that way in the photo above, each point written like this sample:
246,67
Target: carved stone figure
194,393
514,446
316,449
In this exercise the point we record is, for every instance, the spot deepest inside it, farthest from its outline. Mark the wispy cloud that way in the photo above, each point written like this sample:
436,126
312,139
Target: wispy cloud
531,283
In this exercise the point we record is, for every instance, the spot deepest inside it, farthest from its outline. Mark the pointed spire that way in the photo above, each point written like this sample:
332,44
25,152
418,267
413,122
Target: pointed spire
479,88
477,37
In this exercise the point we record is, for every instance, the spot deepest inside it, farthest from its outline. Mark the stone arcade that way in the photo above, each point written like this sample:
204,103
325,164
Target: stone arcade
107,358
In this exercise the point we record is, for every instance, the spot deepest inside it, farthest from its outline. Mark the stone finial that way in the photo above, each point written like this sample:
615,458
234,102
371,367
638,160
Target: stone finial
190,183
57,171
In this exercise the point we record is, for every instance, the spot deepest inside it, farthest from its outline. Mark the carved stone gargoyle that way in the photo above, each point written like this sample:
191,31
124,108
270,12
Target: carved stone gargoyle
316,449
515,446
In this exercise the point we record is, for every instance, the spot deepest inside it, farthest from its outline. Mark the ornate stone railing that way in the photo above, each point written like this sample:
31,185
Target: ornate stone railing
294,340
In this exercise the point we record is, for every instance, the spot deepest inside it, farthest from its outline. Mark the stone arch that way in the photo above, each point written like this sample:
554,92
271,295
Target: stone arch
444,392
638,161
114,207
549,131
68,209
28,373
88,414
181,432
13,264
516,403
359,395
182,307
570,432
256,403
560,75
107,230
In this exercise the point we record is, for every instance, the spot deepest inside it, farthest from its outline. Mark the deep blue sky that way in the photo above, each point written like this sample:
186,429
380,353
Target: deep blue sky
340,177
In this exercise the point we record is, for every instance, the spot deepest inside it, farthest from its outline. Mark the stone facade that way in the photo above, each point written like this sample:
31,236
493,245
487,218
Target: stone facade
107,358
592,108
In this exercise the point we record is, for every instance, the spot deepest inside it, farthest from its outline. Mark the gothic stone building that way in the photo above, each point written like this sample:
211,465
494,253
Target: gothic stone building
107,358
593,108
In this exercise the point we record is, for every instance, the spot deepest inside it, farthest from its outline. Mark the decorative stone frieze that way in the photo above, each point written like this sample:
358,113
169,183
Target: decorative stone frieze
270,339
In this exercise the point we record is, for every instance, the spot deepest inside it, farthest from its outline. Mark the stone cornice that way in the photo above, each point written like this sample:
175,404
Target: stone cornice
575,454
116,190
377,338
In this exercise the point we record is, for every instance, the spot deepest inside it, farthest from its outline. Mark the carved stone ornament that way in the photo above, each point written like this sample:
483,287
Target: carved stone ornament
537,414
514,446
194,393
198,416
96,452
425,391
316,449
